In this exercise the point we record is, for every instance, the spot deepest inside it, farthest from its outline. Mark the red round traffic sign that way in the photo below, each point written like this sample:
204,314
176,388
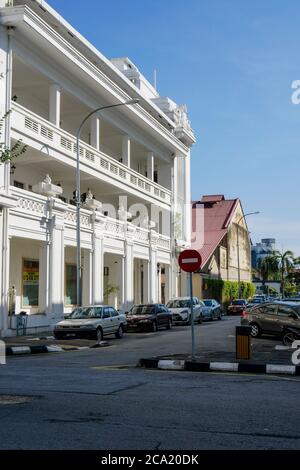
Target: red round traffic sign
190,261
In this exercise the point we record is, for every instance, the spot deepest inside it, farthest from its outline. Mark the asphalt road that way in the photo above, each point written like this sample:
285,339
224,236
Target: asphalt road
98,399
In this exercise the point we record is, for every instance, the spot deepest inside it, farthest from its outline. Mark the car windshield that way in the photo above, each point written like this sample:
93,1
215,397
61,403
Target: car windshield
256,301
83,312
142,310
238,302
179,303
208,303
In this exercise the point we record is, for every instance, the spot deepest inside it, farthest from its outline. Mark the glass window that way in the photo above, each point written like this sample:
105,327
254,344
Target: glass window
106,313
30,278
285,311
98,312
71,285
113,312
269,309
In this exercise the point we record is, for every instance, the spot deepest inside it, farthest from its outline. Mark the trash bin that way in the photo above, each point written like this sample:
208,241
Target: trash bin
21,323
243,342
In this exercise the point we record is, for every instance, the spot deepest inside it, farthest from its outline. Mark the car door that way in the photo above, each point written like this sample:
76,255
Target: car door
287,317
107,326
115,319
161,315
268,318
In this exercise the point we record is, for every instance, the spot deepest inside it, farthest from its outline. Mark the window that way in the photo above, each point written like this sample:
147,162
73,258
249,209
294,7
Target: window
18,184
30,279
269,309
71,285
106,313
113,312
285,311
98,312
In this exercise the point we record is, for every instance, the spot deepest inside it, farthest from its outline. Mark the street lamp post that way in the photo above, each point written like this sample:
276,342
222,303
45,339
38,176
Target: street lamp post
78,196
238,249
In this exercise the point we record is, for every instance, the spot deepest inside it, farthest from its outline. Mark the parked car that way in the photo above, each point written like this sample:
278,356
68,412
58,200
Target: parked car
272,318
291,299
237,307
212,310
149,317
181,309
93,322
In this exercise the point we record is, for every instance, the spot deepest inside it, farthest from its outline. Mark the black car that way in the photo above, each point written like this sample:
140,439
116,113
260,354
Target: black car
149,317
272,318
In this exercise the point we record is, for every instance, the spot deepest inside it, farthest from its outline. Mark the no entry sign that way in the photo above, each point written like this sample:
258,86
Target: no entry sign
190,260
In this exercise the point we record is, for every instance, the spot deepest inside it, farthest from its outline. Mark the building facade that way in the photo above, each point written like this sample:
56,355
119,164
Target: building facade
134,170
261,250
220,234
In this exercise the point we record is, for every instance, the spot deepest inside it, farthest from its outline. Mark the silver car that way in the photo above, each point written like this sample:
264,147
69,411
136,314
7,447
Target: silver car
181,309
93,322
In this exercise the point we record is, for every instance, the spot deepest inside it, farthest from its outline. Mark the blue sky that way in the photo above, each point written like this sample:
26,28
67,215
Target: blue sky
232,62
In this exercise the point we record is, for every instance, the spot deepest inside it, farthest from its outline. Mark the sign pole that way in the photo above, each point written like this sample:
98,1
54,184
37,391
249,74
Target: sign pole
190,261
192,317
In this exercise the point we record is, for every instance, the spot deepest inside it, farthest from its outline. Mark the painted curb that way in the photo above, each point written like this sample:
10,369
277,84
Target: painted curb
41,349
194,366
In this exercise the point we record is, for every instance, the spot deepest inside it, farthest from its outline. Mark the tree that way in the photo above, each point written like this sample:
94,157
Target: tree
268,268
285,262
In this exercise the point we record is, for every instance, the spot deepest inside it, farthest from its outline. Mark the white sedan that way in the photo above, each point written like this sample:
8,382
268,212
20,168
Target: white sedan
181,309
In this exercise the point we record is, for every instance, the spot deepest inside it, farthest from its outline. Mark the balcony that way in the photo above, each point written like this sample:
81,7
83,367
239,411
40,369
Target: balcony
33,206
26,123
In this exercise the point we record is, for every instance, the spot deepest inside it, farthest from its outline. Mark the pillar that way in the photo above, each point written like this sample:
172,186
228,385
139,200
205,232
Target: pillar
87,285
150,166
56,258
168,278
95,132
146,279
128,275
126,150
188,208
54,104
97,269
44,277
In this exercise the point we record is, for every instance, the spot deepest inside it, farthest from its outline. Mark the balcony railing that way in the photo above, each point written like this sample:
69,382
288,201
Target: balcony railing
27,122
37,206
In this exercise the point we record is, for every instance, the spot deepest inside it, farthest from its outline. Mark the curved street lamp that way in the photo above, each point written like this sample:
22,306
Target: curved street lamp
238,248
78,198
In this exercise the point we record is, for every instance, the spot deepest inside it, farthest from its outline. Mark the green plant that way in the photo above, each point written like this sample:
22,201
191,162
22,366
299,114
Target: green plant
110,289
226,291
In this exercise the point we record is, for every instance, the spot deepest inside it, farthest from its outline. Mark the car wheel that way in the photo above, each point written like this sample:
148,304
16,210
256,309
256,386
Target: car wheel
220,316
154,326
169,325
99,335
188,322
255,330
200,319
120,333
288,339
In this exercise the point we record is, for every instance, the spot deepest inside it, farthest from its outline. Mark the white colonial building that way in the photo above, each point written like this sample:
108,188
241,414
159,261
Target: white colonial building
135,174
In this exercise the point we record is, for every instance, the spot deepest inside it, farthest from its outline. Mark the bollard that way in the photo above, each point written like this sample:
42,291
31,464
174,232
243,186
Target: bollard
243,342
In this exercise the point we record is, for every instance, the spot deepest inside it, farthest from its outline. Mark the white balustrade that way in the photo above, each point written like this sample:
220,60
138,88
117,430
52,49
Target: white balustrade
25,121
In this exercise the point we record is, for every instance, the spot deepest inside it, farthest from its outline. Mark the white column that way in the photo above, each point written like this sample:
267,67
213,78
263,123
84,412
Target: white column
126,150
146,279
95,132
54,104
168,285
129,281
97,269
87,278
5,263
44,278
150,166
153,276
188,208
56,259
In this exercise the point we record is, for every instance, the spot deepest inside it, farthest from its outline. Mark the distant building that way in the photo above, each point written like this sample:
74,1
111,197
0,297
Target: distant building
261,250
218,223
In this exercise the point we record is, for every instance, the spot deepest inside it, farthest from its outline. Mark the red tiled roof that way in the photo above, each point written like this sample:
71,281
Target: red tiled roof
218,213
